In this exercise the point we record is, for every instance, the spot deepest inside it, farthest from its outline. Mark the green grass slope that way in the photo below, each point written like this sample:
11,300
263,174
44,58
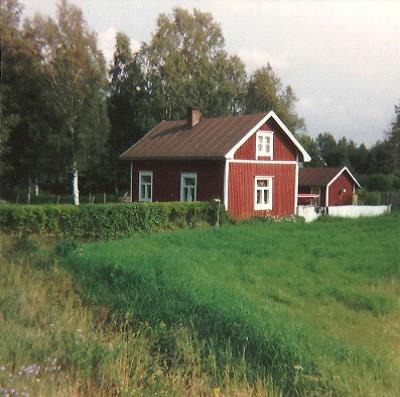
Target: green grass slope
315,306
51,344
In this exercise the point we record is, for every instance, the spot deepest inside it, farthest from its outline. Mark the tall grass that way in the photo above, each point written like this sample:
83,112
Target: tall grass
315,306
53,345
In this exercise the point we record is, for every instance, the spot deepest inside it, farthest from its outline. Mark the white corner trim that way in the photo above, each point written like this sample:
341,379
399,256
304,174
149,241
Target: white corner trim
131,182
340,173
326,196
226,184
231,152
277,162
126,151
296,184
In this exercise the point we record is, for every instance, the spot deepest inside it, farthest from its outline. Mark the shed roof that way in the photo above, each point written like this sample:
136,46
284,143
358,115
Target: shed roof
321,176
210,138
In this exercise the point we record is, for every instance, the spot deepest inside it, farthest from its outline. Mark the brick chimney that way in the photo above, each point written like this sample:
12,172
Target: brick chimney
193,116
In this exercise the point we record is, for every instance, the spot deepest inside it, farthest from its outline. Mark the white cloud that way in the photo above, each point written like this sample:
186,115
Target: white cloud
341,57
106,42
255,58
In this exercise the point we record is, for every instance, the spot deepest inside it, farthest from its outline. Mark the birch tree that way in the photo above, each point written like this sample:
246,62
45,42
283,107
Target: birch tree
23,121
185,64
394,140
76,78
265,92
128,108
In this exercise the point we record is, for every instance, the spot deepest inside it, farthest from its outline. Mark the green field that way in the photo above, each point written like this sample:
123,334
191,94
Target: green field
51,344
315,306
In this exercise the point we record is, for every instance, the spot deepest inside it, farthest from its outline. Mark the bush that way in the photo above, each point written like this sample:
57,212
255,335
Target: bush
104,220
380,182
369,198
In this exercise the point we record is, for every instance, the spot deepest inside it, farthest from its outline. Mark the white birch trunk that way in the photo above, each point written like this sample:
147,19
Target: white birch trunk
28,197
75,189
36,187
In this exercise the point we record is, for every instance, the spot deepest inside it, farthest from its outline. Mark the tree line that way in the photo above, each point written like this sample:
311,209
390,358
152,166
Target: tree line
66,114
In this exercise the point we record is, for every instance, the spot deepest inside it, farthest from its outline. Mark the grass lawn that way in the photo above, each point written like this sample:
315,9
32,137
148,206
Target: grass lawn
315,306
51,344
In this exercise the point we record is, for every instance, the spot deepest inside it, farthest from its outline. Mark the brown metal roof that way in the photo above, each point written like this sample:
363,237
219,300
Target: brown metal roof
319,176
210,138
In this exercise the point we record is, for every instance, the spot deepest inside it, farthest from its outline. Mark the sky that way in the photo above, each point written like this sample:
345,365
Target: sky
342,58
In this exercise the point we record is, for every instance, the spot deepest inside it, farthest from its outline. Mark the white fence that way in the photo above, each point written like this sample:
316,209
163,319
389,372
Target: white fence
309,212
354,211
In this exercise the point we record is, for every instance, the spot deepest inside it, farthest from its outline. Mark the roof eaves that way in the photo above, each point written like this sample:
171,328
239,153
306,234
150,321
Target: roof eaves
176,158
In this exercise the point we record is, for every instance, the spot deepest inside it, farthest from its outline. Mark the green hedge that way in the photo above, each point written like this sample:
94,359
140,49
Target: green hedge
104,220
369,198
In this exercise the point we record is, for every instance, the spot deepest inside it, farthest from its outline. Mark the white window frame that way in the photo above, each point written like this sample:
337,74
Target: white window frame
188,175
145,173
263,152
269,188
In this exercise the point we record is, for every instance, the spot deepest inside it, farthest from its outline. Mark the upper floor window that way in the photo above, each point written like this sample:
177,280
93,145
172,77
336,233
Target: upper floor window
265,144
145,186
188,186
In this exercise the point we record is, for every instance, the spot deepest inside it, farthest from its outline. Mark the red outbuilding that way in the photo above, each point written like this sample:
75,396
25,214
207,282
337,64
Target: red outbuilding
327,186
249,162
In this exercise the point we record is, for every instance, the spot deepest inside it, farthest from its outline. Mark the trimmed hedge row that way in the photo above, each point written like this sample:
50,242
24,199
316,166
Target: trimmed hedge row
104,220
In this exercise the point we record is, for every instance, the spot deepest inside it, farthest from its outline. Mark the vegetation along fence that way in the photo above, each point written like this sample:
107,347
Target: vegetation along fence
105,220
392,198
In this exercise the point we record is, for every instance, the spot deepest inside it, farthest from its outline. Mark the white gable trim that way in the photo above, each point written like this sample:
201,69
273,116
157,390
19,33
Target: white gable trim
340,173
231,152
334,179
296,184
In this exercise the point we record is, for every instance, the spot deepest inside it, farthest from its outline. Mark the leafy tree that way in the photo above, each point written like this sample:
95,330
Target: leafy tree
128,108
394,140
76,78
312,149
343,147
329,149
358,157
185,65
23,116
380,158
265,92
379,182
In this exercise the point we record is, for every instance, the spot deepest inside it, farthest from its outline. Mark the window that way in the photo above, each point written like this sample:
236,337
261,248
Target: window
263,193
145,186
188,186
265,144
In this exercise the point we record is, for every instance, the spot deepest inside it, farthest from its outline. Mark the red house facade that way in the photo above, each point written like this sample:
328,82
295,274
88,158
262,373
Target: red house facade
250,163
329,186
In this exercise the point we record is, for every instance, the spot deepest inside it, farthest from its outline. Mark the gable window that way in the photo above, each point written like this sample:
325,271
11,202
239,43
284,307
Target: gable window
145,186
263,193
188,186
265,144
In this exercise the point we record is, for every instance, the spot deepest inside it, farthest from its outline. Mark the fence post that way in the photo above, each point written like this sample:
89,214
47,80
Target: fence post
105,198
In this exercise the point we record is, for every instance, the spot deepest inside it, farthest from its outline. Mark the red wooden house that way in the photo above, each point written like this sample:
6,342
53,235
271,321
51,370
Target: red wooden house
249,162
328,186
